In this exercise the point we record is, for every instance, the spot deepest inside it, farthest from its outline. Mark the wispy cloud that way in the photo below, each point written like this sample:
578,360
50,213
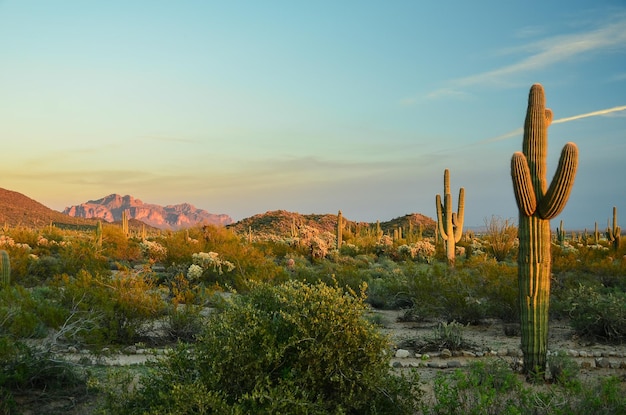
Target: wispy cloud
545,53
517,132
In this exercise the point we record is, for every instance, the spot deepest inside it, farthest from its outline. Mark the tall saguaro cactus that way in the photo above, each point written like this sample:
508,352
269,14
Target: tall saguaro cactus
450,224
537,204
613,233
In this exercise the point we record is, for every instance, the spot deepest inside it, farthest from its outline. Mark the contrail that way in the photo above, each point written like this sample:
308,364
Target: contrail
590,114
559,121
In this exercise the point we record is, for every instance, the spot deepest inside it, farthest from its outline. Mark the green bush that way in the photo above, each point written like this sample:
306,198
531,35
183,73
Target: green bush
28,313
597,313
292,348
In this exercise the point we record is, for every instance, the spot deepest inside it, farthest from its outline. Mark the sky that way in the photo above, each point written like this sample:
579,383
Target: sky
243,107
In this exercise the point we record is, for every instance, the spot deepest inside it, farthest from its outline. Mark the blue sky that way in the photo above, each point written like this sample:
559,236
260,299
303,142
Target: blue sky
246,106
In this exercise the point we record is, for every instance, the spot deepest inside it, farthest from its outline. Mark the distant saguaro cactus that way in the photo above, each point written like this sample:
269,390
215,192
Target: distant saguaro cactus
613,233
339,229
537,204
450,224
98,235
5,269
560,234
125,223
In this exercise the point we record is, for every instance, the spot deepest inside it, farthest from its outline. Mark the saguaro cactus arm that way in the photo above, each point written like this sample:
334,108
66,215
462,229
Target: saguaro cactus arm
459,218
556,197
522,184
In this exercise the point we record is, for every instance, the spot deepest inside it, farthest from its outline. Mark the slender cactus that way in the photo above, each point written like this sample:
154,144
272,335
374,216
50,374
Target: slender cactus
450,224
339,229
5,269
596,235
560,234
537,204
125,222
99,235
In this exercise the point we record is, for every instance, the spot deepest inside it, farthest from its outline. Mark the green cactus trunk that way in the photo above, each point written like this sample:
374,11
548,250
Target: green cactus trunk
449,224
5,269
537,204
534,263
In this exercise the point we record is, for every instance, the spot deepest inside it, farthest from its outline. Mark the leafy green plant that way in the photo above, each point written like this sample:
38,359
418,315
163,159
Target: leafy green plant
485,388
563,369
446,336
292,348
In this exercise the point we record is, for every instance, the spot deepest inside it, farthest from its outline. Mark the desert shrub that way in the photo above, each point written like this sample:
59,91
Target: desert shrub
499,286
292,348
28,313
116,245
44,268
24,367
184,323
500,238
80,256
119,306
451,294
485,388
597,313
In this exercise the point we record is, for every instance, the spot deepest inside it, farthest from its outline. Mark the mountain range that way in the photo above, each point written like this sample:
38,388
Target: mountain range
171,217
17,209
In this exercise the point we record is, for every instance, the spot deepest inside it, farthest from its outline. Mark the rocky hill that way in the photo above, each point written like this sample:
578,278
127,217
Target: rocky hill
280,222
172,217
19,210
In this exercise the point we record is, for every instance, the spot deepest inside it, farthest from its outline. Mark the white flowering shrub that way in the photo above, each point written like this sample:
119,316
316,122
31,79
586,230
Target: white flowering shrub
384,245
206,260
194,272
317,243
7,241
154,251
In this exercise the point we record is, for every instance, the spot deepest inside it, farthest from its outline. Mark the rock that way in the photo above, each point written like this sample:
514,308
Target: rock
402,353
130,350
466,353
603,362
573,353
445,354
454,364
397,365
